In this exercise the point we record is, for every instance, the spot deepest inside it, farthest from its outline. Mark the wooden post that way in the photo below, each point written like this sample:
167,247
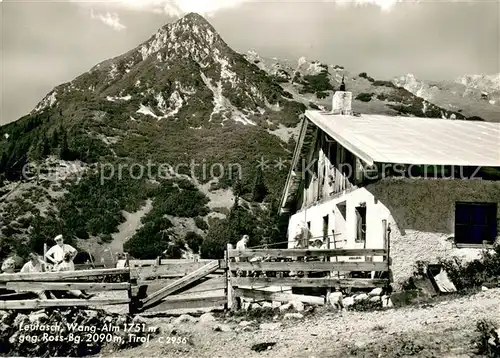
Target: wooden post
132,306
389,246
134,301
157,264
384,233
232,301
226,279
112,257
91,260
327,258
335,246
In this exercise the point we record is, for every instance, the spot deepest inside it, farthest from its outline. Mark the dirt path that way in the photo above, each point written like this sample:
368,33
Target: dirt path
444,329
129,227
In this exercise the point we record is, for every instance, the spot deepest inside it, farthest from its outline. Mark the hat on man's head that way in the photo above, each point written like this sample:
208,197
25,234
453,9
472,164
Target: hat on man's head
58,237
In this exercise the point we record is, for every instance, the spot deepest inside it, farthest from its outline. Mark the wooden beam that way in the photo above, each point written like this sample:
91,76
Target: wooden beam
56,276
181,302
308,282
88,266
178,284
16,296
306,252
316,266
169,270
295,158
212,284
277,296
139,263
35,304
63,286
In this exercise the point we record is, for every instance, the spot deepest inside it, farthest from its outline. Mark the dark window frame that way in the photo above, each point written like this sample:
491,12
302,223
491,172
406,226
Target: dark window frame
361,214
326,220
468,224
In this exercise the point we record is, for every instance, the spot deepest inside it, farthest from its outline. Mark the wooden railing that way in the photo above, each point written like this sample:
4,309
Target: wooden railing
155,269
238,260
64,281
171,288
212,291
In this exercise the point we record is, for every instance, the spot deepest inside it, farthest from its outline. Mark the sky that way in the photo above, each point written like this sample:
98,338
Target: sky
46,43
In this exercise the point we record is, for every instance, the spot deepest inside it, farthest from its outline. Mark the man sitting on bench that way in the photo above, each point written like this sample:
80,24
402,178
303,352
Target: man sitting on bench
35,265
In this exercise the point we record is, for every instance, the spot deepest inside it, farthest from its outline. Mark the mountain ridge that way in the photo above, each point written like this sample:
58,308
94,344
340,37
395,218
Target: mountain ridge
474,95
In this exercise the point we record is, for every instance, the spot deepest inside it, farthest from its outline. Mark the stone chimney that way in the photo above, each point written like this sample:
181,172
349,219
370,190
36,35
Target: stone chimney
341,103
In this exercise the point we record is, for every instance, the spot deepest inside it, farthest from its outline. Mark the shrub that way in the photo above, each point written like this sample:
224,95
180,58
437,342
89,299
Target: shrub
364,97
382,97
179,198
317,83
194,241
200,223
384,83
151,240
477,273
487,341
364,75
106,238
321,95
280,79
102,203
215,243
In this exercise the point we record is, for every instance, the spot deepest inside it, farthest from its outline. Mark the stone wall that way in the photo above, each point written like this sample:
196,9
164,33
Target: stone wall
428,205
423,218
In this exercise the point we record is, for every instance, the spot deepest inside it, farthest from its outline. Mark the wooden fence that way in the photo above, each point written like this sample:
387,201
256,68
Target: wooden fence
162,285
87,280
333,273
150,285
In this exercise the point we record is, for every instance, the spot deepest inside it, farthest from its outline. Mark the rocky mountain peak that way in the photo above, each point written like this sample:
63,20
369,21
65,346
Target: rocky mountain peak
185,67
191,36
194,18
487,83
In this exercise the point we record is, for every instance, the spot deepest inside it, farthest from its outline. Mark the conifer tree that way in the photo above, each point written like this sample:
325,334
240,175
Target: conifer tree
45,146
3,162
259,190
55,139
64,152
